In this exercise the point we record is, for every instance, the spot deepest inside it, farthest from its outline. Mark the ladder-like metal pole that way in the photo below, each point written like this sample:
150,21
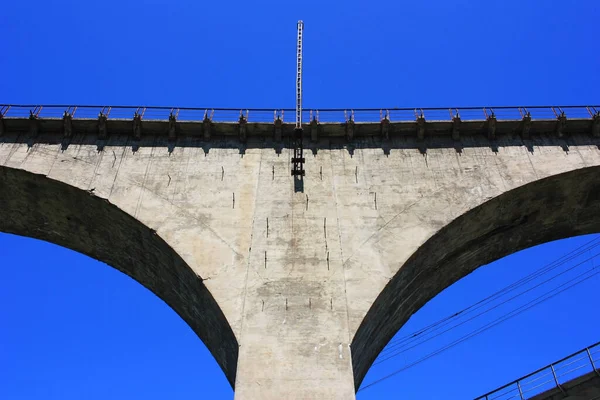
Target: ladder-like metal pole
299,76
298,158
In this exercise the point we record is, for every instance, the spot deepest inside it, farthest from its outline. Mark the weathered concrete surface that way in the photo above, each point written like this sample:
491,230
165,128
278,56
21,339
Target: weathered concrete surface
300,277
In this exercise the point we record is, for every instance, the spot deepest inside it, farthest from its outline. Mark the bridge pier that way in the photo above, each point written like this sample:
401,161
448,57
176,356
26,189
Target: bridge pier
294,335
301,352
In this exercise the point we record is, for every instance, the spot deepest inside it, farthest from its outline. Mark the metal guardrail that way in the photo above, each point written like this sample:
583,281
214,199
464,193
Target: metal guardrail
550,377
363,115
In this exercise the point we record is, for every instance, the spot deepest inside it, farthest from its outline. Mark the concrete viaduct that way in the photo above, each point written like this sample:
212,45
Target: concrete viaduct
295,287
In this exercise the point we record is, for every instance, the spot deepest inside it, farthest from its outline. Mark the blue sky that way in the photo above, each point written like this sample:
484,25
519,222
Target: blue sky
73,328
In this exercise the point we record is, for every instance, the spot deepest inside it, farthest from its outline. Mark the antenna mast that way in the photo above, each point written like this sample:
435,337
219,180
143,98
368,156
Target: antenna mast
298,159
299,77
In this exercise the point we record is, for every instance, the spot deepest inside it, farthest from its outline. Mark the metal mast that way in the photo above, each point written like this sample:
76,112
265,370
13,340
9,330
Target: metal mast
299,77
298,159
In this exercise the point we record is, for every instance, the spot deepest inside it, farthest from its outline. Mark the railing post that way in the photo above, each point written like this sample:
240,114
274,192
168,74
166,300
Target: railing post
556,379
3,111
592,361
520,391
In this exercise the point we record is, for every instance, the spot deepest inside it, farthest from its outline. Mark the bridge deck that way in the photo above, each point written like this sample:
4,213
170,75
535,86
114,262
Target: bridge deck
262,123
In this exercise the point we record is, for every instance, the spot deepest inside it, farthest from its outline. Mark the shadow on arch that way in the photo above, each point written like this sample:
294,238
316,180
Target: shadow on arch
548,209
35,206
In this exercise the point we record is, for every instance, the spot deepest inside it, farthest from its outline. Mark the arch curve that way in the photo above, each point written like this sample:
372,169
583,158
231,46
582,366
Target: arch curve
552,208
35,206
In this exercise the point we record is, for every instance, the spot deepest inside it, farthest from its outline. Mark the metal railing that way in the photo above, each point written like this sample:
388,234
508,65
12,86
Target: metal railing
328,115
550,377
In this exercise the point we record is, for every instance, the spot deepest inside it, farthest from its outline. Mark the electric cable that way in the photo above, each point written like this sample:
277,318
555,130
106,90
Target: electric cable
486,327
547,268
402,350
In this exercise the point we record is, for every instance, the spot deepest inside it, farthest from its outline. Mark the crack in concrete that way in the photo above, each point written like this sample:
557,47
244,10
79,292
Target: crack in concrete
385,225
250,248
143,187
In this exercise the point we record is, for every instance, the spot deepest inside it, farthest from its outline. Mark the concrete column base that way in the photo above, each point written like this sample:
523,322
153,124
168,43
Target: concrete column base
290,366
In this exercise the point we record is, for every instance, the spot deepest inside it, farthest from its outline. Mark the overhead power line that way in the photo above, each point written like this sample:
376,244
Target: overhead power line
538,300
405,349
394,343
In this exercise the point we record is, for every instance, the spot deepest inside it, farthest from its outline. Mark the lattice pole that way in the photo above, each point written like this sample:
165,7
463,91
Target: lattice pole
298,158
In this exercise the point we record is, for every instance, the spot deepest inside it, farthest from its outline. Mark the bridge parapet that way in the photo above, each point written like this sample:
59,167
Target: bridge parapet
385,124
556,378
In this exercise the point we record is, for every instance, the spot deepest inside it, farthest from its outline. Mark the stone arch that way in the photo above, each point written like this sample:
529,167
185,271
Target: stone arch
35,206
552,208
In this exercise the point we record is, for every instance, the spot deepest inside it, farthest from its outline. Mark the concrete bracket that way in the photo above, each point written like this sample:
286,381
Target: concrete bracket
242,124
67,124
278,127
34,125
421,128
385,127
596,125
349,125
102,131
314,130
456,128
349,129
206,124
491,127
137,126
561,123
526,126
172,127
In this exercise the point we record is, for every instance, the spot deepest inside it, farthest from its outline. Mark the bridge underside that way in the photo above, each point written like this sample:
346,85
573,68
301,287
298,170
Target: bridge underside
545,210
34,206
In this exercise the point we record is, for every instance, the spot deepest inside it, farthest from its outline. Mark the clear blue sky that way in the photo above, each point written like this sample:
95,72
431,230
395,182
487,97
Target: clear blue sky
73,328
